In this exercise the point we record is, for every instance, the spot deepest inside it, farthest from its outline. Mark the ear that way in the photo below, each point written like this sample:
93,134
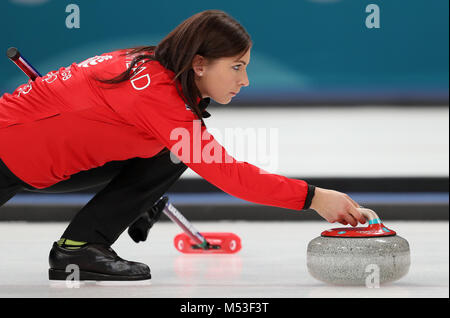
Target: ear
198,65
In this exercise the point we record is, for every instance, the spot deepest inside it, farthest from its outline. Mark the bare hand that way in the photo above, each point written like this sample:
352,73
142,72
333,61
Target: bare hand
335,206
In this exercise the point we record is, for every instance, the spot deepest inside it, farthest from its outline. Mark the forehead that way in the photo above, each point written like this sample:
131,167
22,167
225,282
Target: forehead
245,58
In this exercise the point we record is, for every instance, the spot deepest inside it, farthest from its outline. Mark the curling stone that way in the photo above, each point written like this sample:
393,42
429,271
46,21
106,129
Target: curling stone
359,255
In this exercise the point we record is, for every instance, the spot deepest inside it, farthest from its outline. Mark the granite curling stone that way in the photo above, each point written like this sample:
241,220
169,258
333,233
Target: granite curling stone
370,255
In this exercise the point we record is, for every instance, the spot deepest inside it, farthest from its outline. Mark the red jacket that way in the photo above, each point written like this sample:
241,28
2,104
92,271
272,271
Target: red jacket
66,122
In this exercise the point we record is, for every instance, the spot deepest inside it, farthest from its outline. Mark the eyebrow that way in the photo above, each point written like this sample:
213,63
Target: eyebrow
242,62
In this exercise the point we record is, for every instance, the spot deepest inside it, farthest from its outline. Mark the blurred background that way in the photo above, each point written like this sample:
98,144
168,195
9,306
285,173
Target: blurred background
357,98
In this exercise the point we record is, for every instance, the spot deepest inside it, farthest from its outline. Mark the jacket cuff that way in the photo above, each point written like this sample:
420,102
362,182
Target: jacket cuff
309,196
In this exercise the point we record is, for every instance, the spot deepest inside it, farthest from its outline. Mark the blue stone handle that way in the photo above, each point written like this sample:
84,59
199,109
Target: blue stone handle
370,215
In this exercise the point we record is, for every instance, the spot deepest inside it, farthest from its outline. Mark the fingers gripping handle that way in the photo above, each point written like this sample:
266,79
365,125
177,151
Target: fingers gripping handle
370,215
375,229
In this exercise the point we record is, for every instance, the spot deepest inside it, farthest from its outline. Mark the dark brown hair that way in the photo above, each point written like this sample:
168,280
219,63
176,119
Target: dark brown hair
212,34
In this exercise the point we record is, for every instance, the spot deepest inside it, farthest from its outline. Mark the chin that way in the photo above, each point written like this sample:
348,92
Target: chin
223,101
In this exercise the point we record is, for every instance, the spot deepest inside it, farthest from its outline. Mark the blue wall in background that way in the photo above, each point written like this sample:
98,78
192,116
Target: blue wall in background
311,50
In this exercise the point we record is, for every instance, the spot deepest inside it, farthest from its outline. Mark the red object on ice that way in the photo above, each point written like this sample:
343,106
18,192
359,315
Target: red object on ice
219,243
375,229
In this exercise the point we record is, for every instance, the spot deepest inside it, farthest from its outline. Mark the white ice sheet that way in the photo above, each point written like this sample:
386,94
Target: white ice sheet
272,263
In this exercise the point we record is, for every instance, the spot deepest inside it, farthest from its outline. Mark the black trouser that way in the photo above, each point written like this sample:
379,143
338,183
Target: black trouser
131,188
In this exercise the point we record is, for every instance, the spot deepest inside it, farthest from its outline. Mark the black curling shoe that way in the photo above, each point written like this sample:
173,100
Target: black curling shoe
93,262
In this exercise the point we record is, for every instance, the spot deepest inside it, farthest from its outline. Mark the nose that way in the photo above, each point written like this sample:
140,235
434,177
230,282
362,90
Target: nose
245,82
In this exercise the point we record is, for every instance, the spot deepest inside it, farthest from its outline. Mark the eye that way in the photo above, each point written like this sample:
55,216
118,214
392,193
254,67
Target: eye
237,67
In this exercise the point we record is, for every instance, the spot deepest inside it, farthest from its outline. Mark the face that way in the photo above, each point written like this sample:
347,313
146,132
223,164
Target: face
220,78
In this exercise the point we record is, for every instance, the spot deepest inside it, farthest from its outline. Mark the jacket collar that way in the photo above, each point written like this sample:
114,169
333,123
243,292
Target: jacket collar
202,105
202,102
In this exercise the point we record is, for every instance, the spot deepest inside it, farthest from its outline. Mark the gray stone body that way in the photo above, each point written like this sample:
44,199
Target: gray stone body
358,261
